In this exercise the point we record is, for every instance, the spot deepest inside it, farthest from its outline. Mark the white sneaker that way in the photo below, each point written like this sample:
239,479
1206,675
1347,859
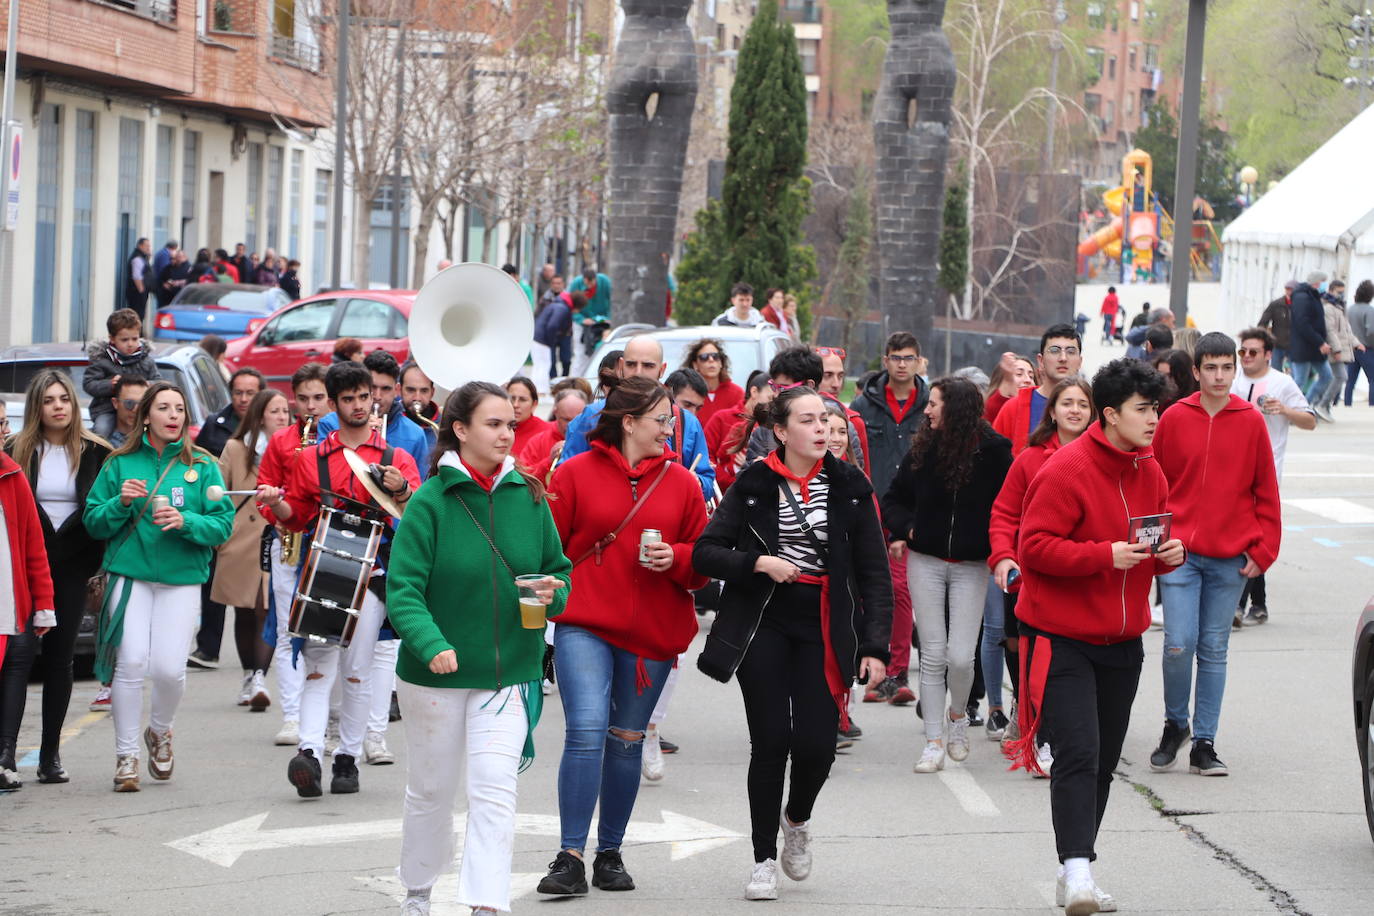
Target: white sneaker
126,773
763,881
932,758
651,761
415,905
375,750
796,850
260,698
1157,616
546,687
246,692
958,738
1013,731
1046,759
101,701
331,737
1106,903
290,734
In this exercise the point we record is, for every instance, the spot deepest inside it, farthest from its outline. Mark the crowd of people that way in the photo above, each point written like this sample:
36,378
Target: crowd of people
164,273
989,530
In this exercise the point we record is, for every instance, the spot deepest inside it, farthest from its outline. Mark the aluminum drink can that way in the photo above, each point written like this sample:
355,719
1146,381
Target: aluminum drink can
646,537
159,502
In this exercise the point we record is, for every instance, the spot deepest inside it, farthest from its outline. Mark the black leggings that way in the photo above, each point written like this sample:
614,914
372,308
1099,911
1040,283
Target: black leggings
790,713
14,685
1088,698
55,666
254,652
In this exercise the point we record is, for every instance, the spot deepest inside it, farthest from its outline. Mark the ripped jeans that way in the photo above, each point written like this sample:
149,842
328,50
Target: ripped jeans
606,715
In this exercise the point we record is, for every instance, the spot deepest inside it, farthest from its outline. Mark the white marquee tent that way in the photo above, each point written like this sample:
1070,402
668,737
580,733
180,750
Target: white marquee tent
1320,217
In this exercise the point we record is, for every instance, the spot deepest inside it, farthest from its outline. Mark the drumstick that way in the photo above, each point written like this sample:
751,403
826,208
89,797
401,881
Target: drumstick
215,492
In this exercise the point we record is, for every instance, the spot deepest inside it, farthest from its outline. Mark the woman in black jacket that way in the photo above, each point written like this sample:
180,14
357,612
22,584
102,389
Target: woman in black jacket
938,509
806,605
61,460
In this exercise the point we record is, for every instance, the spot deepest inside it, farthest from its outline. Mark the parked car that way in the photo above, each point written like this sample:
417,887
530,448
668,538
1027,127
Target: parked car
1362,691
748,348
306,331
188,367
216,308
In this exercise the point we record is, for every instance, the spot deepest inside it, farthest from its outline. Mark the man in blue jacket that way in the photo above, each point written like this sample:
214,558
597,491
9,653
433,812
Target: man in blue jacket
1307,347
401,431
644,356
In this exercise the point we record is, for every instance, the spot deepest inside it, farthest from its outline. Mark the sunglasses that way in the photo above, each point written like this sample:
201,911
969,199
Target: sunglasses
1246,351
129,403
713,357
830,351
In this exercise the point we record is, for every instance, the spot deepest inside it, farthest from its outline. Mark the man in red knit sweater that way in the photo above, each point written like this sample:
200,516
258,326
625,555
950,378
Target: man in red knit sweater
1061,355
1223,492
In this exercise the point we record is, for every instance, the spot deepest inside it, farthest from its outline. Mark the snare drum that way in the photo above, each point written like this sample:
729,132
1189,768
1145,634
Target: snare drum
334,580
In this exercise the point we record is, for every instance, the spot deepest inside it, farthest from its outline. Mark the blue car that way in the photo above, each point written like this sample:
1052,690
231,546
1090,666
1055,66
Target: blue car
216,308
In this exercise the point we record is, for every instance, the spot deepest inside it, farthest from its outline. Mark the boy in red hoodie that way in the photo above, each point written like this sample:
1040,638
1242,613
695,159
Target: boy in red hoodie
1223,492
1060,356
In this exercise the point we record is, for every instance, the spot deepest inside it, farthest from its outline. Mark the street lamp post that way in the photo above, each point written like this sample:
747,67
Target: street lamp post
1056,45
1185,184
340,125
1248,176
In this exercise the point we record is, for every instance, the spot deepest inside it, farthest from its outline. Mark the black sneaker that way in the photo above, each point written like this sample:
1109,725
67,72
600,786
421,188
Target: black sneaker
304,773
1203,760
1169,743
853,733
1258,614
567,876
843,743
608,872
974,720
1238,620
666,746
199,659
882,691
345,781
997,724
394,713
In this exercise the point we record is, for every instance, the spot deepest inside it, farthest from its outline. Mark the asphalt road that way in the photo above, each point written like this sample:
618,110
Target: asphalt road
1285,833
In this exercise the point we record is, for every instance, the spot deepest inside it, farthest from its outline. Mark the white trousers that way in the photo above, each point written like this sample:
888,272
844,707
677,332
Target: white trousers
383,682
451,733
289,676
352,667
159,624
541,357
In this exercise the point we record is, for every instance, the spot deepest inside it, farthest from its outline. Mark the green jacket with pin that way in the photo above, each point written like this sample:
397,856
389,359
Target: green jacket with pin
149,554
447,589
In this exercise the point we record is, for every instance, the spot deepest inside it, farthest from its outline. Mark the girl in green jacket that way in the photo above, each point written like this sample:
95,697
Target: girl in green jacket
157,557
469,673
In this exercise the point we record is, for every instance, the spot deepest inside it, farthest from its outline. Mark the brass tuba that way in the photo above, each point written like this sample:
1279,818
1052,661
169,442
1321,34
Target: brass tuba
291,540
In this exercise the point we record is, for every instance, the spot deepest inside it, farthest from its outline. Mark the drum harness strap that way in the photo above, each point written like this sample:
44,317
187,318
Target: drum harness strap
377,584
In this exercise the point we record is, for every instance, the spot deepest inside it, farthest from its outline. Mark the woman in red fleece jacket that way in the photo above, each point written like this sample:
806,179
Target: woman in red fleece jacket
1084,605
27,609
626,621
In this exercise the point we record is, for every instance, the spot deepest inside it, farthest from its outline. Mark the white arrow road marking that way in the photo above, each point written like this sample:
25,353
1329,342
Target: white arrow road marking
968,793
1338,510
224,845
444,895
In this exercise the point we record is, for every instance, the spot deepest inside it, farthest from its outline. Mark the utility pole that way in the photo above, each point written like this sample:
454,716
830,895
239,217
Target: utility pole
1185,184
340,127
6,117
1056,45
397,183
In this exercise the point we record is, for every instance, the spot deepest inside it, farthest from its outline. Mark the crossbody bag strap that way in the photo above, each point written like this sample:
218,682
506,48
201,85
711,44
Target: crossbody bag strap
821,552
606,541
478,525
129,529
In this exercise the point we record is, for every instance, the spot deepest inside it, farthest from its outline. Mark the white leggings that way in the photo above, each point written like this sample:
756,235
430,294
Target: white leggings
159,624
289,676
322,666
946,652
383,682
449,731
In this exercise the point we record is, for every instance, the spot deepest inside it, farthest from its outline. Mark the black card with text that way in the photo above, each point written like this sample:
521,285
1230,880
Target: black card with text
1151,529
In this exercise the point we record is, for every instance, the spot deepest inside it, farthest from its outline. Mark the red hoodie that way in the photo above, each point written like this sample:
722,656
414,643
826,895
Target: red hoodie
28,557
727,398
648,613
1080,502
1006,511
1226,507
1013,420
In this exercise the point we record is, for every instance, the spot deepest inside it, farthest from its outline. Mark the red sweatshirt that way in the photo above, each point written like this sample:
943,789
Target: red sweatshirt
1013,420
993,405
727,398
1226,507
28,557
534,457
648,613
1080,502
526,431
1006,511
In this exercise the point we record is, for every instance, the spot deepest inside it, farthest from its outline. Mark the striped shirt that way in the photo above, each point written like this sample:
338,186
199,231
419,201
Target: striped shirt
793,544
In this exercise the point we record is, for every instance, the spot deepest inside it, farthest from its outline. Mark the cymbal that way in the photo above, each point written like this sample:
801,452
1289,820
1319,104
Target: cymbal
363,471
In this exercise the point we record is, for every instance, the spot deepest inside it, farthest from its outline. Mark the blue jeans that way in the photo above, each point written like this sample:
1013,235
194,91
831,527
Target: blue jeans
1312,378
992,652
1277,358
597,683
1364,359
1200,600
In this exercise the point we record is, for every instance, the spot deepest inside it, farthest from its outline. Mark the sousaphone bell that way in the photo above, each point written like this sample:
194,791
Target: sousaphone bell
471,322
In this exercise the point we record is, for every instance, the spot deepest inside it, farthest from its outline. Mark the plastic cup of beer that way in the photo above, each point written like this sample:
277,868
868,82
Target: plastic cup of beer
531,608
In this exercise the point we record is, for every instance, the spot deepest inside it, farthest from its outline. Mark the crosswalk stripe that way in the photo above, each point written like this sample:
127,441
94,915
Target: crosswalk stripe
968,793
1338,510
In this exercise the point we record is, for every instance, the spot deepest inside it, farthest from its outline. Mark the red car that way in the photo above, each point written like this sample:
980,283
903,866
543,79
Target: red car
305,331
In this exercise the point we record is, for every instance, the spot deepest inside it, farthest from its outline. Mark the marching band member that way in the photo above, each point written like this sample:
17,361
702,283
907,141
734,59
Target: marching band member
629,616
238,580
807,606
322,476
149,503
285,446
470,667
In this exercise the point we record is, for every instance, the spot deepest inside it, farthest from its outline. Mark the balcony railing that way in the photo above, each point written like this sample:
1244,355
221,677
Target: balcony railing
297,53
164,11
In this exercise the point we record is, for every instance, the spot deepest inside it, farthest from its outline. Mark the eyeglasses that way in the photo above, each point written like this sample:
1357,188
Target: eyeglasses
830,351
1246,351
1065,351
712,357
129,403
902,358
664,420
779,389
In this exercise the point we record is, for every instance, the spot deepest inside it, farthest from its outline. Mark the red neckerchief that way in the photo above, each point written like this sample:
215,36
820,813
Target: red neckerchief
899,411
482,480
833,679
776,464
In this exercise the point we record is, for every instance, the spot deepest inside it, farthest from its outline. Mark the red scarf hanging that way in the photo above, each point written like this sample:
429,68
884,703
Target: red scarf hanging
781,469
1035,669
482,480
839,690
899,411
